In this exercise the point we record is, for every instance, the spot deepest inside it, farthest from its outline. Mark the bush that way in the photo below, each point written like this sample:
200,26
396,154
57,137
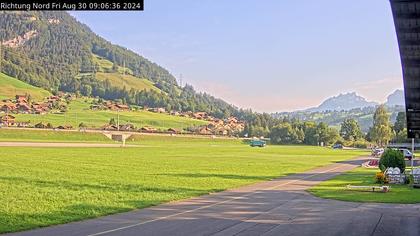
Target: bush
392,158
380,178
340,141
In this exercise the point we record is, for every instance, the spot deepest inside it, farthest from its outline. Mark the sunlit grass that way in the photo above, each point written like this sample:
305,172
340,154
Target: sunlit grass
336,189
45,186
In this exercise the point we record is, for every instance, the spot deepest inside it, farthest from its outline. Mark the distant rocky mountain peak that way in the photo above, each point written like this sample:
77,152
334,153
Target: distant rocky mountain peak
346,101
396,98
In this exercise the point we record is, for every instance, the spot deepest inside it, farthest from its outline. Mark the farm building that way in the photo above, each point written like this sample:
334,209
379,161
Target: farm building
8,120
148,129
173,131
23,108
8,107
21,99
127,127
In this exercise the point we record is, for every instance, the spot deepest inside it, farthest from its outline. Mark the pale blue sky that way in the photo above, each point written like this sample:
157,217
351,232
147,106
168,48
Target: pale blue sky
268,55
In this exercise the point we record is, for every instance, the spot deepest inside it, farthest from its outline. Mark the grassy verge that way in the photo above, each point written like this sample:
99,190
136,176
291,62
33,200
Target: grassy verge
46,186
16,135
336,189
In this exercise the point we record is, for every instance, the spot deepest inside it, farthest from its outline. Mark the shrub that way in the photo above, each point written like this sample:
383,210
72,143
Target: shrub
340,141
360,144
392,158
380,178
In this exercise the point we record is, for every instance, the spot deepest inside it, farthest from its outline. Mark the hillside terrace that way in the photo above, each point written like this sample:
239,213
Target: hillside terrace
22,104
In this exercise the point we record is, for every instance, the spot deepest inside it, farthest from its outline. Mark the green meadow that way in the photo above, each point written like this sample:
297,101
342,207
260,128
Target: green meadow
10,87
122,78
47,186
79,111
336,189
126,81
20,135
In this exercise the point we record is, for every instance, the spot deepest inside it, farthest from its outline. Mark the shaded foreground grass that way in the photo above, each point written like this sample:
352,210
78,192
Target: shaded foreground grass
45,186
336,189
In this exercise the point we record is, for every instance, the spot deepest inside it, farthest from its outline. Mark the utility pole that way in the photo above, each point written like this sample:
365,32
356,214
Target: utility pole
180,80
412,153
118,119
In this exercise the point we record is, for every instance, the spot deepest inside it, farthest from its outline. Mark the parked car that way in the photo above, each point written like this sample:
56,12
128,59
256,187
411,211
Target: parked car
337,146
258,143
407,153
377,152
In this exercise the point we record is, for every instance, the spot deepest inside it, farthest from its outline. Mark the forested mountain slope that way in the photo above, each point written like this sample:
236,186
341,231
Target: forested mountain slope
54,51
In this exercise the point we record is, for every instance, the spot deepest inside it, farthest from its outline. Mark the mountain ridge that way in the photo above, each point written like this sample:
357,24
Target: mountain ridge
346,101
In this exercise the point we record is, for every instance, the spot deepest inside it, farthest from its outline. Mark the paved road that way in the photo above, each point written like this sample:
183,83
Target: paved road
42,144
277,207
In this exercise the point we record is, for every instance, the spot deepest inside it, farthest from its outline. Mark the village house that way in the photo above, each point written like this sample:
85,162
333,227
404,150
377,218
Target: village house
112,107
23,108
157,110
8,120
40,108
127,127
204,131
41,125
65,127
21,99
122,107
148,129
173,131
53,98
8,107
200,115
109,127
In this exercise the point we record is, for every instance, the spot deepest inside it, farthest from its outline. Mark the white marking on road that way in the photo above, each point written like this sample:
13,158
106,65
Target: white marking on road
211,205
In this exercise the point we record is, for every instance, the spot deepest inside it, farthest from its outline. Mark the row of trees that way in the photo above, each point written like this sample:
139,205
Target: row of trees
287,131
293,131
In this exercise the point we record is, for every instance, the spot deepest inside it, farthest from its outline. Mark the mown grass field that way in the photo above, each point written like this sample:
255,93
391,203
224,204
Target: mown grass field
106,65
46,186
118,79
127,81
20,135
336,189
79,111
10,87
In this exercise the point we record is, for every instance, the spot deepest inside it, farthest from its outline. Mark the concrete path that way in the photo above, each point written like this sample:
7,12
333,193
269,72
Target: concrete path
278,207
45,144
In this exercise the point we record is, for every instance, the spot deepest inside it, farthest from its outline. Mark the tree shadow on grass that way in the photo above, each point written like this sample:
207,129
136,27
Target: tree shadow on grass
353,162
110,187
223,176
12,222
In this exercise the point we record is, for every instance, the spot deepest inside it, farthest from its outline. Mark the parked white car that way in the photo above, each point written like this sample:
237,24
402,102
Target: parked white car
407,153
